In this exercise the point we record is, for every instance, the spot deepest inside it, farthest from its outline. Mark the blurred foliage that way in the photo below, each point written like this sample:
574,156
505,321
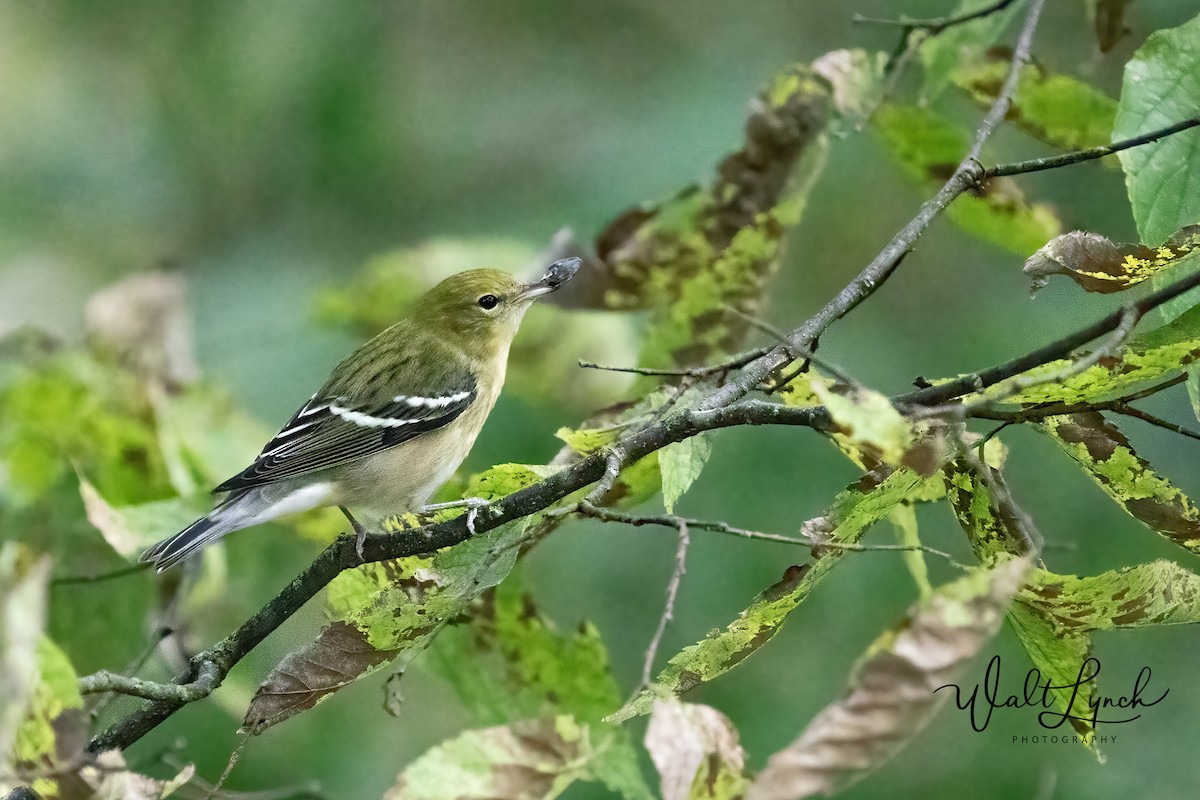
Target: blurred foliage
929,147
346,138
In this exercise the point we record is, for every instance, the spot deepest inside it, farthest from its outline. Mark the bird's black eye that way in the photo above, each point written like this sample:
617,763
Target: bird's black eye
488,302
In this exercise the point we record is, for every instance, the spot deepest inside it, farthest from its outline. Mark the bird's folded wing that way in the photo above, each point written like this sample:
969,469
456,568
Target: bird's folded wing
328,431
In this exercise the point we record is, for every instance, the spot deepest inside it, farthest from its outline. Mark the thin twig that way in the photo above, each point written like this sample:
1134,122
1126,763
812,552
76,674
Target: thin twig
689,372
934,25
1038,412
978,381
233,760
120,572
1144,416
669,607
1079,156
1020,383
672,521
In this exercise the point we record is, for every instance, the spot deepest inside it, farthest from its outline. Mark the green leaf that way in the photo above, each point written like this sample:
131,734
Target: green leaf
509,662
852,512
1162,87
696,752
1148,358
68,411
1104,453
1057,109
23,584
528,760
894,691
1098,264
929,148
904,519
1058,655
680,464
943,55
586,441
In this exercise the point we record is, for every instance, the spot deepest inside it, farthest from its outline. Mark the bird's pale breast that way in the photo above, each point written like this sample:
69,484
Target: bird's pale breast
403,478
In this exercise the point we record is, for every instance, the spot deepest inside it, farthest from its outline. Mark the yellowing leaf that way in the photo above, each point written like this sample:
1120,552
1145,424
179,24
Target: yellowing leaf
943,55
1055,614
696,752
867,417
1104,453
528,760
1057,109
991,532
1149,357
23,583
1100,265
55,710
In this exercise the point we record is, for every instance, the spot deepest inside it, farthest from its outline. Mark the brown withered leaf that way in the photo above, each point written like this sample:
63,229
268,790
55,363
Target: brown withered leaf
1098,446
1101,265
710,249
695,750
338,656
143,321
894,693
1109,17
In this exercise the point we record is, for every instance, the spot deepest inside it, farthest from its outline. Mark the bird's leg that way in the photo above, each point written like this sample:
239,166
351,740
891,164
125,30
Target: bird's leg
472,504
360,533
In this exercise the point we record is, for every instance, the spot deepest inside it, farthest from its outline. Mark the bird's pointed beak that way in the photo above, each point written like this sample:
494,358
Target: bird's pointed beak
556,275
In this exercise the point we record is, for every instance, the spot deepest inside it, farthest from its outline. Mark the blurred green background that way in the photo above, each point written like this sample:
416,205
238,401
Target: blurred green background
268,150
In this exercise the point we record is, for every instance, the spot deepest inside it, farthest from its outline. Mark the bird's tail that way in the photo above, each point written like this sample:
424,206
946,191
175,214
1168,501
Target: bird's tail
235,512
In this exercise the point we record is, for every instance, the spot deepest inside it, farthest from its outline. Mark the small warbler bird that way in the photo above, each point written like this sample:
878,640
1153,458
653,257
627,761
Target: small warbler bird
393,422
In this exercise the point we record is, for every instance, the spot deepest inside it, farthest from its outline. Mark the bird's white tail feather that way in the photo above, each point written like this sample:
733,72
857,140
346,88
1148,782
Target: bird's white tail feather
239,510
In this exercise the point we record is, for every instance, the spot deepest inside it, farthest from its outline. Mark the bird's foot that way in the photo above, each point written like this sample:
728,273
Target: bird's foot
472,504
360,533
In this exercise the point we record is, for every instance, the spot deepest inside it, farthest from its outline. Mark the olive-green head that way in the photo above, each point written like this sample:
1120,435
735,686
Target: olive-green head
483,307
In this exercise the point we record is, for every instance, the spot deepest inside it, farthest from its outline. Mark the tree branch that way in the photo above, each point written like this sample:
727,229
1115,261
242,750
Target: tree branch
1079,156
341,554
674,521
978,381
967,174
208,678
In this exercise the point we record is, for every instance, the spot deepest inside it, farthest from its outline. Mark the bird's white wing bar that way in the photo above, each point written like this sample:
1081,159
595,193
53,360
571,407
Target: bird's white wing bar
431,402
368,421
